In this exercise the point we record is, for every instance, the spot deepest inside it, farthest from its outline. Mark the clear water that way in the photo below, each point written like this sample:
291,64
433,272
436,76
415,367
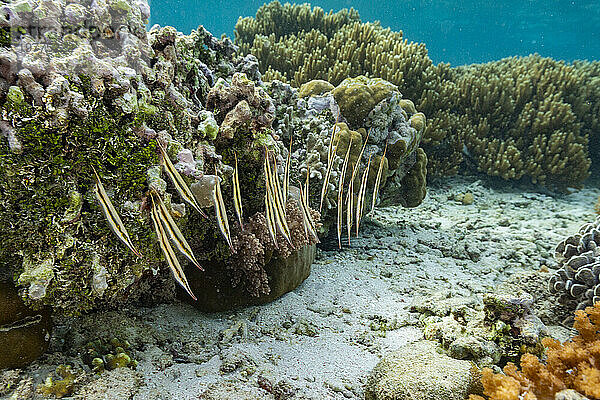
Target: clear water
458,32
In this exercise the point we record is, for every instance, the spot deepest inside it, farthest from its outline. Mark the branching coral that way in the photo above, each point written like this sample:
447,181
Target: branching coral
519,117
569,365
524,129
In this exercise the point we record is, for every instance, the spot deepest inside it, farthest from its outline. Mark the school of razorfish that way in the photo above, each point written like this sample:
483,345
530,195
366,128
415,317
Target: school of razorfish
276,196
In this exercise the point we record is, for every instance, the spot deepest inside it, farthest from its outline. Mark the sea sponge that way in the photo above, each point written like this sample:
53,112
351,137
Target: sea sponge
597,206
569,365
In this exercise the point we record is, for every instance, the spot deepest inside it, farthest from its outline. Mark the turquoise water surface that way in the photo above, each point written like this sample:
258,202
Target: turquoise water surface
458,32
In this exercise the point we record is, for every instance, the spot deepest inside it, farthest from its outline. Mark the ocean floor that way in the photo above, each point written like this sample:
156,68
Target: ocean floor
322,340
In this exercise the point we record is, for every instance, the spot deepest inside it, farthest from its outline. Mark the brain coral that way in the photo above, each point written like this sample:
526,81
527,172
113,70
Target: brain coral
578,256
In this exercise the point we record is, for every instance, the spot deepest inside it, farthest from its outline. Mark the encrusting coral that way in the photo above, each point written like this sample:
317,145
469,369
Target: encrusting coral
569,365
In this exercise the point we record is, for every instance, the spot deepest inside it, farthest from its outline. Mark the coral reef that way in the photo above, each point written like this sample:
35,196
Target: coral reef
569,365
578,257
509,127
120,104
312,121
597,206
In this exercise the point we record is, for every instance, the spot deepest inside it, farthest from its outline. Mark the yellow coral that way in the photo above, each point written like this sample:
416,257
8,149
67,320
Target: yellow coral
572,365
597,207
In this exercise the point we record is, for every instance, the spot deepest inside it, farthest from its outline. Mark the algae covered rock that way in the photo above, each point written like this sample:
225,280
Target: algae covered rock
418,370
85,137
24,333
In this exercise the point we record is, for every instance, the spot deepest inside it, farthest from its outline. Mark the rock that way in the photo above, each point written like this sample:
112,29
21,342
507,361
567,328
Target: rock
216,293
418,371
24,333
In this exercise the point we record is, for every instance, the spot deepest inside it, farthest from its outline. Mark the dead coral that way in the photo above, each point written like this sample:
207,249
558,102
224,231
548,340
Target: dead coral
572,365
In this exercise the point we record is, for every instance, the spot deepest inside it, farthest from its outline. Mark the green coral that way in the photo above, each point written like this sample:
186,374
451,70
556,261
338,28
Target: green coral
358,96
101,356
315,87
59,384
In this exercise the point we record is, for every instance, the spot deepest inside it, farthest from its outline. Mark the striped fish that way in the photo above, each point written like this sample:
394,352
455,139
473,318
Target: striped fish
110,213
276,188
169,253
360,203
173,231
307,206
341,194
269,208
378,180
309,225
237,196
274,197
286,175
180,185
221,213
330,157
350,198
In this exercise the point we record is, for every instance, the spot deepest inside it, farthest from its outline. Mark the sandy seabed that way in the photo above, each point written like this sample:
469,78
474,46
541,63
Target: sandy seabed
322,340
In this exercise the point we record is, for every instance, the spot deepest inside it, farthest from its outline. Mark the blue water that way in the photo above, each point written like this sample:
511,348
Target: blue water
459,32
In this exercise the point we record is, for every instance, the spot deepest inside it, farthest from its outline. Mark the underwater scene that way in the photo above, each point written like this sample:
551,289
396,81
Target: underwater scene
337,200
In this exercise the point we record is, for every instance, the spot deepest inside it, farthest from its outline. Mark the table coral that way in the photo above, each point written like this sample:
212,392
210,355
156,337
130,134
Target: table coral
569,365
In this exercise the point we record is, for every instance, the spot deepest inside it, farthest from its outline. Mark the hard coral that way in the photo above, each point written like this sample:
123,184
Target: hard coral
572,365
578,257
